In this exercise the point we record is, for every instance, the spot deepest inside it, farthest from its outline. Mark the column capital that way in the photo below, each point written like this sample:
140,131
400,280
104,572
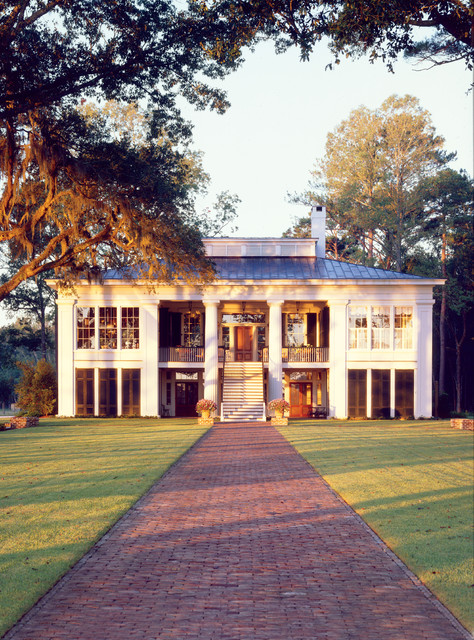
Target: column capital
275,303
65,302
211,302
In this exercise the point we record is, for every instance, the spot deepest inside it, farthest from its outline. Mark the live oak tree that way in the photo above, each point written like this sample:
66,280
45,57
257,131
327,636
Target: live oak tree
438,31
74,194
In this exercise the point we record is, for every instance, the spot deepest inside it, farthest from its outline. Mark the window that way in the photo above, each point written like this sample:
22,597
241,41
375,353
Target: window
403,328
380,327
295,330
404,393
108,327
301,375
226,337
380,393
357,328
85,392
187,375
131,392
357,393
85,327
192,329
130,328
260,341
243,318
108,392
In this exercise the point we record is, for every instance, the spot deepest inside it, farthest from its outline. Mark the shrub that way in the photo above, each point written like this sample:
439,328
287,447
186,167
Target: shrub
37,388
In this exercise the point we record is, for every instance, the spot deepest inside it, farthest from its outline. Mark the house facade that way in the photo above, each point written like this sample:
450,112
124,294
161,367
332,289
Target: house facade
280,320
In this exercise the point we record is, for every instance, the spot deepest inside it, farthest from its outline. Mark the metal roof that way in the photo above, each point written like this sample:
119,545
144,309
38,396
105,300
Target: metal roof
302,268
288,268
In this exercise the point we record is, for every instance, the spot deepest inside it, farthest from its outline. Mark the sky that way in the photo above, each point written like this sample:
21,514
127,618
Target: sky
282,109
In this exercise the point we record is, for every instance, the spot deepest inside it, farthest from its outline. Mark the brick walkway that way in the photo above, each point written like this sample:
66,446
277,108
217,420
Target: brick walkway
240,540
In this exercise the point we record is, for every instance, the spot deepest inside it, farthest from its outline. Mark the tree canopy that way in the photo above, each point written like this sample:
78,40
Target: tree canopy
76,196
369,177
382,30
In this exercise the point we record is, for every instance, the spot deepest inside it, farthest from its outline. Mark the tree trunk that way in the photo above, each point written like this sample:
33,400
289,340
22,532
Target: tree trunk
442,320
458,380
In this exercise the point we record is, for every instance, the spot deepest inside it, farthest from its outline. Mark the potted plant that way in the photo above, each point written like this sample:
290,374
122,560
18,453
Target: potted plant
279,406
204,407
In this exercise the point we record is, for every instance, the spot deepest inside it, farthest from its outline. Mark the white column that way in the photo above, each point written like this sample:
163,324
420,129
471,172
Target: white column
392,392
211,360
275,374
369,393
337,359
149,347
66,348
423,389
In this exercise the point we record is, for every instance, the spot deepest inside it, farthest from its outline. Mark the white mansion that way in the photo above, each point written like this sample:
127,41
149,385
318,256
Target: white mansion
280,320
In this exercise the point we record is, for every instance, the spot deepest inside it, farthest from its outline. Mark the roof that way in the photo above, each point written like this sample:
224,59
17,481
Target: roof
301,268
290,268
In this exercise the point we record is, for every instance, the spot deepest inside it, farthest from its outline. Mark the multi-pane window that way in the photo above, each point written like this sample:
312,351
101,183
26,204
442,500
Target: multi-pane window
226,337
295,330
357,328
403,328
192,329
85,327
130,328
260,340
380,327
108,327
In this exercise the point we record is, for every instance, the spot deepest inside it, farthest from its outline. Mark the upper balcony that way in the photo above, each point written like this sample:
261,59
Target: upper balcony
289,354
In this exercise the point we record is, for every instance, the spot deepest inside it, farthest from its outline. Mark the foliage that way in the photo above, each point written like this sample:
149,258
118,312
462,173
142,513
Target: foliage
380,30
76,195
369,178
412,485
91,472
21,341
278,404
37,388
205,405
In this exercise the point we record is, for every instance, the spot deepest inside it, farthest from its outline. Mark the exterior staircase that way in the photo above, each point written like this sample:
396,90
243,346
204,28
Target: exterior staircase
242,393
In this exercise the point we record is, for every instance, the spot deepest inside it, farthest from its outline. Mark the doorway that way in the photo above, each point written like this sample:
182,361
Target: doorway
301,399
186,399
243,343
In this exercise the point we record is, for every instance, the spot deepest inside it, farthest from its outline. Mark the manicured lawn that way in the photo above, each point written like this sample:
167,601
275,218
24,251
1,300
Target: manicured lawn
63,484
412,483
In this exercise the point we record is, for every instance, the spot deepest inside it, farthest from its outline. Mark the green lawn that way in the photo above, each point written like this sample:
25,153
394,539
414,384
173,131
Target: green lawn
63,484
412,483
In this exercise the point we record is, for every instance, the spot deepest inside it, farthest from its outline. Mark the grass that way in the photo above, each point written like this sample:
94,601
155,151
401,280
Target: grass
62,486
412,483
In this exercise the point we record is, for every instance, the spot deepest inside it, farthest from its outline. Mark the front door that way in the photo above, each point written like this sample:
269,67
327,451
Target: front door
186,399
243,344
300,399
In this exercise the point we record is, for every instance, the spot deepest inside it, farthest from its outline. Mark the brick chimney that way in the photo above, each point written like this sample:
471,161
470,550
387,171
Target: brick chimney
318,229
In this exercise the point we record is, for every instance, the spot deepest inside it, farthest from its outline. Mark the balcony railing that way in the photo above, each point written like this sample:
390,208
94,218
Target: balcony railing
181,354
301,354
289,354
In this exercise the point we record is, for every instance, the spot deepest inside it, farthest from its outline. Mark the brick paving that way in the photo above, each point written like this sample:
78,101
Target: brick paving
240,540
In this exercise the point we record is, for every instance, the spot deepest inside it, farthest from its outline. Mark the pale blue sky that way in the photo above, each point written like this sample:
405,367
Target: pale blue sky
282,110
